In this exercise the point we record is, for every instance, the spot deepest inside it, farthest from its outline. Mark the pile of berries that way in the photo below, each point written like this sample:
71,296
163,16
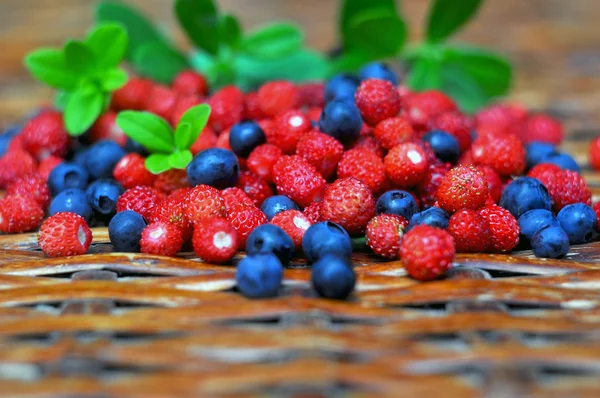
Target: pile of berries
292,169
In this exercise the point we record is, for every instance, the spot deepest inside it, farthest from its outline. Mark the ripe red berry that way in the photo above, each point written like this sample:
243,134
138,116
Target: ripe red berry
287,130
384,234
564,186
181,106
64,234
255,187
215,240
313,212
252,110
20,214
596,208
204,201
142,200
311,95
226,108
543,171
206,139
377,100
504,153
233,195
406,164
161,101
298,180
504,228
131,172
277,97
370,143
106,128
13,164
45,135
427,189
133,95
420,107
541,127
594,152
161,238
394,131
364,165
294,223
171,180
500,118
261,160
456,124
172,210
349,203
495,184
427,252
471,231
30,185
463,187
321,150
244,219
47,165
189,82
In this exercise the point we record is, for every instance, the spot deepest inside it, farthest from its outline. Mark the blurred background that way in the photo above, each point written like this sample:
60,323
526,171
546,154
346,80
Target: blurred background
554,44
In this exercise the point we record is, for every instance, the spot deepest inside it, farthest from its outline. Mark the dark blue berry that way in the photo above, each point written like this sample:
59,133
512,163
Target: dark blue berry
397,202
534,220
125,231
65,176
244,137
216,167
524,194
276,204
378,70
341,86
259,275
73,200
536,151
434,217
6,137
78,156
333,277
269,238
562,160
444,145
550,242
132,146
579,222
323,238
102,157
103,195
341,120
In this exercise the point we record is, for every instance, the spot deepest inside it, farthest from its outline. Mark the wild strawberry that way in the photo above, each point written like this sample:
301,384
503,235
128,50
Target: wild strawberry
427,252
294,223
394,131
406,164
463,187
466,159
505,154
495,184
313,212
171,180
419,108
206,139
172,210
252,110
564,186
181,106
455,124
313,114
255,187
596,208
321,150
298,180
500,118
161,238
106,128
30,185
377,100
594,153
131,172
45,135
504,229
262,159
244,219
19,214
189,82
234,195
13,164
370,143
311,95
384,234
349,203
133,95
542,127
471,231
64,234
215,240
277,97
142,200
47,165
161,101
429,153
204,201
364,165
287,130
227,108
427,189
543,171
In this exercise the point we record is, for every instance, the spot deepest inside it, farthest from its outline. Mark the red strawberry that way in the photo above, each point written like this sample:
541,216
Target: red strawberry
215,240
30,185
298,179
313,114
466,159
294,223
227,108
207,139
504,153
427,252
181,106
542,127
19,214
394,131
311,95
106,128
377,100
161,238
203,201
252,110
142,200
234,195
463,187
406,164
364,165
455,124
370,143
500,118
161,101
349,203
244,219
47,165
255,187
564,186
13,164
420,107
189,82
321,150
223,140
134,95
495,185
171,180
594,153
65,234
503,227
287,130
384,234
277,97
471,231
45,135
131,172
313,212
427,189
172,210
596,208
261,160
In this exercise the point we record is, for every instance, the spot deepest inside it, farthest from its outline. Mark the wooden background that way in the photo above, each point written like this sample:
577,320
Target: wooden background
555,44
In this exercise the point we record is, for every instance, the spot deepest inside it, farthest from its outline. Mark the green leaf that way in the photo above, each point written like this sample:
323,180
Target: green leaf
182,135
351,8
114,79
80,58
49,66
273,41
159,62
140,29
425,74
377,32
180,159
200,21
350,61
447,16
151,131
463,89
230,32
206,64
191,125
157,163
109,44
82,110
61,99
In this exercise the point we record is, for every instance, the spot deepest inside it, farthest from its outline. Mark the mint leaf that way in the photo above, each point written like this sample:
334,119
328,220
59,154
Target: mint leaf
351,8
49,66
159,62
377,32
82,110
109,44
182,135
151,131
114,79
462,88
191,125
180,159
350,61
157,163
80,58
200,21
230,31
447,16
425,74
61,99
206,64
273,41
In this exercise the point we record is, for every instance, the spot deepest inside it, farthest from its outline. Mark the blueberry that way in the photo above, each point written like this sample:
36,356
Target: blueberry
244,137
333,277
65,176
259,275
79,155
378,70
72,200
102,158
5,141
444,145
536,151
579,222
216,167
342,86
397,202
269,238
276,204
524,194
132,146
125,231
550,242
341,120
103,195
326,237
562,160
434,217
532,221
